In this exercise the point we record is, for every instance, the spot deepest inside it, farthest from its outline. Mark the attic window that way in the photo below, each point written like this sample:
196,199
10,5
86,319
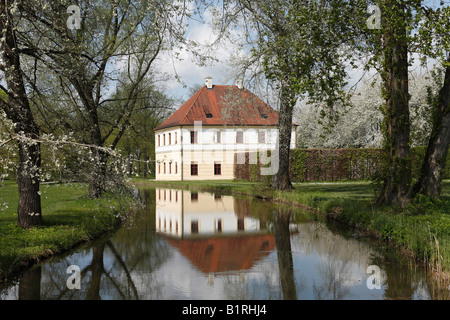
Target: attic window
209,115
264,116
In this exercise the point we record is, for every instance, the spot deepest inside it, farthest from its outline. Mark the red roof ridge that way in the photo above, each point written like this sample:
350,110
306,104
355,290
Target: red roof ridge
197,94
252,110
193,98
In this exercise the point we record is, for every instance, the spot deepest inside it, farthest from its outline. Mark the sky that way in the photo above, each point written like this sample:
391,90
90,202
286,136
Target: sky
187,68
221,71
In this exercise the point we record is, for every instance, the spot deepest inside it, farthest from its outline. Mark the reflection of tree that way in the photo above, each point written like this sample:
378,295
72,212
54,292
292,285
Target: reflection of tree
236,287
342,262
242,207
97,270
138,245
30,284
112,266
239,288
281,221
242,285
438,289
400,278
333,274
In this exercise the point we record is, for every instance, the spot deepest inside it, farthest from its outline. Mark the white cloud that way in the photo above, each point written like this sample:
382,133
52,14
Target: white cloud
191,71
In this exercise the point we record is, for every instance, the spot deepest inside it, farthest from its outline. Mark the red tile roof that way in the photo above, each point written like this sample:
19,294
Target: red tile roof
223,105
225,254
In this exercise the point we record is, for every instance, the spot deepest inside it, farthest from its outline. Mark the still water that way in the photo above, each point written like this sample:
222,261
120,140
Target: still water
199,245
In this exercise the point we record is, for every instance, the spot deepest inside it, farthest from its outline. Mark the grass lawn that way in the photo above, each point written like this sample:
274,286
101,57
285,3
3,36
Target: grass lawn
70,218
422,229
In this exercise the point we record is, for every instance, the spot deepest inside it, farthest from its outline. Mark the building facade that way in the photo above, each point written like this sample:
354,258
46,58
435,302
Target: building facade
205,136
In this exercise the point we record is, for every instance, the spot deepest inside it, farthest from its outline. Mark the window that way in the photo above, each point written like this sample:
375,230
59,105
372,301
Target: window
176,168
217,169
194,136
219,225
262,224
159,140
164,168
194,226
217,137
194,196
170,138
164,139
264,116
240,224
261,136
175,138
194,169
209,116
240,137
170,167
159,167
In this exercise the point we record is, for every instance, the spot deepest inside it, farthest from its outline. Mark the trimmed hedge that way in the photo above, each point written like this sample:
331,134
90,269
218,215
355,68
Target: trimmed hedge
332,165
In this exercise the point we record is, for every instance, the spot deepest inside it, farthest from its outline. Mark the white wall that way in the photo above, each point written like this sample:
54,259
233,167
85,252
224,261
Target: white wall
206,138
206,151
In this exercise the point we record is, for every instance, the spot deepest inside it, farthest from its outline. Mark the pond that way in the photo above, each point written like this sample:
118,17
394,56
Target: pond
210,246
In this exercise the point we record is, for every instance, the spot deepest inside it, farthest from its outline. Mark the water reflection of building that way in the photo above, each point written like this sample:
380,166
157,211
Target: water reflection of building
181,214
215,232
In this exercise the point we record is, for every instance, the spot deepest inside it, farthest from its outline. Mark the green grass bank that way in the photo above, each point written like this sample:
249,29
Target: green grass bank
70,219
421,230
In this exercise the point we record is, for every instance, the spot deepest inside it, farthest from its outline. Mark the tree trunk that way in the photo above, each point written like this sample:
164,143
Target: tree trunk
430,179
397,168
145,165
18,110
130,165
29,212
281,179
97,185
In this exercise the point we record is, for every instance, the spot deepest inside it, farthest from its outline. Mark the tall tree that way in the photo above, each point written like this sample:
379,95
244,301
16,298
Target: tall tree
411,27
138,143
430,180
301,46
396,125
111,34
434,30
17,108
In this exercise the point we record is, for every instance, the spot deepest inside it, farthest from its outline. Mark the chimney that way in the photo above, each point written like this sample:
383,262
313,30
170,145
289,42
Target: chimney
208,82
240,84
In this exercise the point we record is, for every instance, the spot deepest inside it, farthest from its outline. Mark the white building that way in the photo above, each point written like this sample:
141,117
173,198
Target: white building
200,140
